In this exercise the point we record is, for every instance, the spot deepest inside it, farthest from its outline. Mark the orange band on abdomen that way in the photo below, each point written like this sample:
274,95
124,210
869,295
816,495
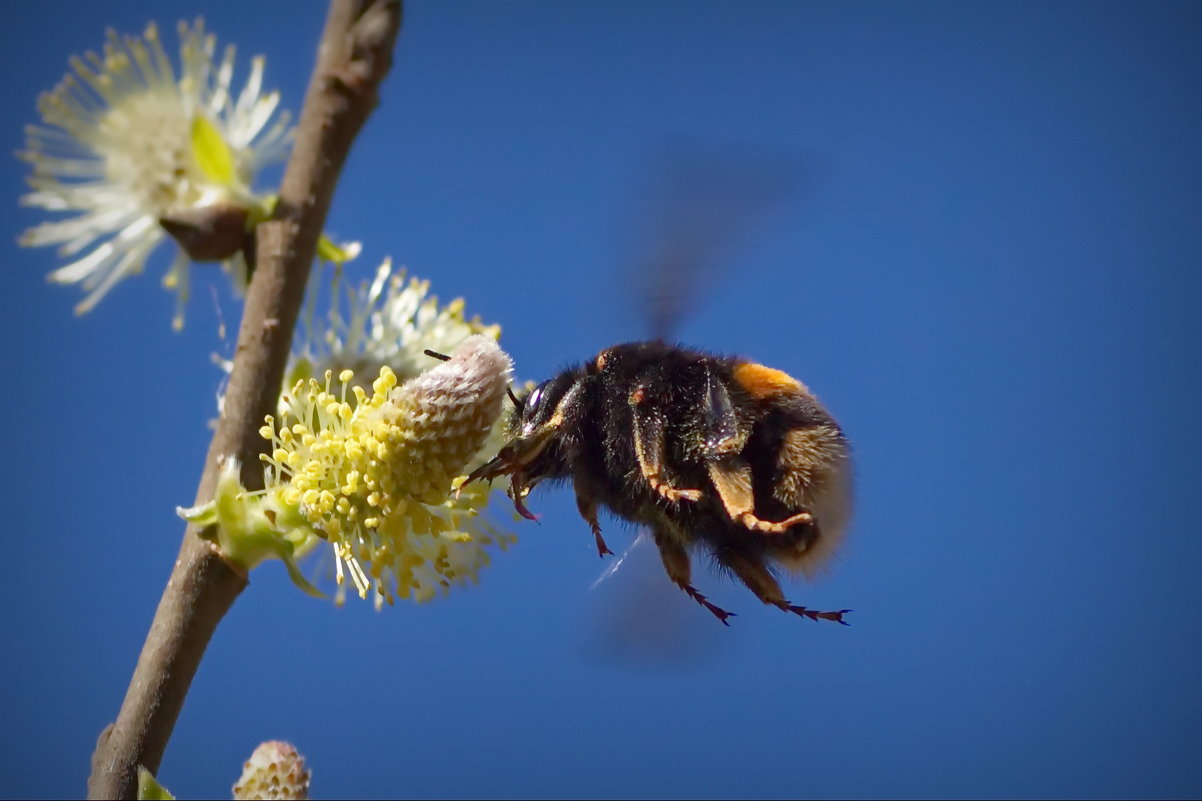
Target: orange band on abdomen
762,382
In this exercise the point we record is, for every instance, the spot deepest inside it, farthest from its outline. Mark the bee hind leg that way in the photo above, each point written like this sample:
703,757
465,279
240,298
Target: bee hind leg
751,571
676,562
732,479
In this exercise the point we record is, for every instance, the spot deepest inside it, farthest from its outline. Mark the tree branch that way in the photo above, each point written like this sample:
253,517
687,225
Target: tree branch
354,56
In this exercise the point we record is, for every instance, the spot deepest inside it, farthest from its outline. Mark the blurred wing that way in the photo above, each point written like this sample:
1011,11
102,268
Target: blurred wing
641,619
700,203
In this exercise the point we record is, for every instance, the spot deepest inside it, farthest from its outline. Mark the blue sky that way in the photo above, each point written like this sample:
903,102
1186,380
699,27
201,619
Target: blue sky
991,277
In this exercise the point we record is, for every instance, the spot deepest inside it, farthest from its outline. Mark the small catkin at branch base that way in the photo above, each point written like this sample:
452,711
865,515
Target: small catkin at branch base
354,55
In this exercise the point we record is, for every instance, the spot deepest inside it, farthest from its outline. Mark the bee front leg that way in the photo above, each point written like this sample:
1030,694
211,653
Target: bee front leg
676,562
732,480
751,571
649,448
588,510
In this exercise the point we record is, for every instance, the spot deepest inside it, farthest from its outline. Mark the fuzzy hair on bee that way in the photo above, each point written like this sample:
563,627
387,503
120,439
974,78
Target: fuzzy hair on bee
712,453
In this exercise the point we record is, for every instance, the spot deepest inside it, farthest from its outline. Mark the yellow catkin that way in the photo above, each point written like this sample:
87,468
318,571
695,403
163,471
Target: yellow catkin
377,476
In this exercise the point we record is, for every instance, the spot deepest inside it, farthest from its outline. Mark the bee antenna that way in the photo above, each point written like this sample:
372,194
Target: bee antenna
443,357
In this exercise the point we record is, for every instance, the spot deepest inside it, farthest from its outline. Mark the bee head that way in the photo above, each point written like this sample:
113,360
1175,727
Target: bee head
537,418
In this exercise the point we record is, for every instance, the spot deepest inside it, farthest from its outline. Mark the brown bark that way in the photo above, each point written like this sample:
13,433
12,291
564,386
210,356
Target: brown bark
354,55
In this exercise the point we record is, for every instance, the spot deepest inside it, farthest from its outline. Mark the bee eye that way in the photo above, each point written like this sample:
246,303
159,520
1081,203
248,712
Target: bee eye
530,408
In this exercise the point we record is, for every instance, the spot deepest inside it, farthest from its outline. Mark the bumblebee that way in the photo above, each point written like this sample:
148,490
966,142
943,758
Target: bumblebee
709,452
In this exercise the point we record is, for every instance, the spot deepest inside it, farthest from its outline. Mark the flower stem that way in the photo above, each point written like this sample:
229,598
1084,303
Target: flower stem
354,55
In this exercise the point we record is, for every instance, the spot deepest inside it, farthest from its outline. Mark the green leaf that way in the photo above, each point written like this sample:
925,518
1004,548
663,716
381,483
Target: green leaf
149,789
336,254
212,154
205,514
261,211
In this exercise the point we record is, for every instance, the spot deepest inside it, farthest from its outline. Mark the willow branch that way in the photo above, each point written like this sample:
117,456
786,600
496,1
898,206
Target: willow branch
354,55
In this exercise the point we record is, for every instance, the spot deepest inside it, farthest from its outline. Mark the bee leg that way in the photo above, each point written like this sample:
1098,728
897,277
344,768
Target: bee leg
676,562
751,571
588,510
732,480
649,448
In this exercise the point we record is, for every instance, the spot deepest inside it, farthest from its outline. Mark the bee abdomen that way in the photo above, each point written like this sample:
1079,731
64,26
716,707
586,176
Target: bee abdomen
814,472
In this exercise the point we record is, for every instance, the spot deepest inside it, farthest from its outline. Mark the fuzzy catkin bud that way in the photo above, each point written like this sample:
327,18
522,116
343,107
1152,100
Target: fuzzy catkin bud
274,771
448,412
